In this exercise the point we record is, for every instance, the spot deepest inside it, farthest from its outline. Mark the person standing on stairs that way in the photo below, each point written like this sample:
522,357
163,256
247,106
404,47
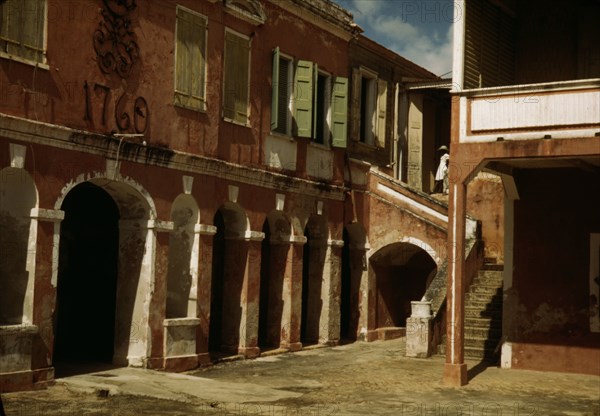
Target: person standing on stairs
441,175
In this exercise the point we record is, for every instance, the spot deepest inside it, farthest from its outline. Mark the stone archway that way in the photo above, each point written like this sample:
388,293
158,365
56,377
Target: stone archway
275,251
354,277
132,268
87,277
182,273
230,257
313,270
402,272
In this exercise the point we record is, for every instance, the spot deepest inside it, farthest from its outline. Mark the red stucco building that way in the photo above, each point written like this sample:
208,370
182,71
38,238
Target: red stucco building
526,106
182,181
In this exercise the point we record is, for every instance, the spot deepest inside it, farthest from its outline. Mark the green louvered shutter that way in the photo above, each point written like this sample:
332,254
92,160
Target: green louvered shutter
303,98
275,90
316,107
339,118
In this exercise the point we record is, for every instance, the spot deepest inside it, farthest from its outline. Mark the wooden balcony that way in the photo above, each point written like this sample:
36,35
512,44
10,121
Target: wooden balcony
557,110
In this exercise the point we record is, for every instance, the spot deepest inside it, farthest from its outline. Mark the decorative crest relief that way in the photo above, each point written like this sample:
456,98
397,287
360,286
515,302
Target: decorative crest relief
249,10
114,41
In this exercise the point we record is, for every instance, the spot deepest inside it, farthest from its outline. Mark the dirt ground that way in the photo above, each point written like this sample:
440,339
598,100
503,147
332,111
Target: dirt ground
355,379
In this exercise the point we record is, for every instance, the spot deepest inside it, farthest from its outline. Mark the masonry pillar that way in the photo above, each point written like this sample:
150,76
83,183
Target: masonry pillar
204,290
250,298
370,293
292,292
157,309
455,369
329,333
45,282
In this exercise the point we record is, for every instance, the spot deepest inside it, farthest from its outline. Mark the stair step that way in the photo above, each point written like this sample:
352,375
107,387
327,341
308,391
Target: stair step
484,306
480,354
482,332
486,289
478,313
495,274
477,353
481,343
483,297
492,267
483,322
485,280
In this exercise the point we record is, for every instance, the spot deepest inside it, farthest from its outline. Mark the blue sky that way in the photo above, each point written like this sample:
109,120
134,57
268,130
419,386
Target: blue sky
419,30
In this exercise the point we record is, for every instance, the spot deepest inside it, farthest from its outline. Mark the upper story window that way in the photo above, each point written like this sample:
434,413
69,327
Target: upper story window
283,75
190,59
22,29
307,102
369,107
236,81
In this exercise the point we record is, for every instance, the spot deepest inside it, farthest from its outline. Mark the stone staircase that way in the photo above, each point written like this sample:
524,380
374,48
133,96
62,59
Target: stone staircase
483,315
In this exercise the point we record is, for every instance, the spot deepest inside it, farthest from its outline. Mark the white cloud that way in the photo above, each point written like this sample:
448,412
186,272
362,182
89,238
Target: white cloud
436,56
432,50
367,8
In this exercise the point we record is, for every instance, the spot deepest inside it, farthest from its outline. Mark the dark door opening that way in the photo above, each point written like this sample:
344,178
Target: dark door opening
87,278
349,292
218,273
264,340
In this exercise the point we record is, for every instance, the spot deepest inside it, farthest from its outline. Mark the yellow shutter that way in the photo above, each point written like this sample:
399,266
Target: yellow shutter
22,28
381,112
190,60
236,80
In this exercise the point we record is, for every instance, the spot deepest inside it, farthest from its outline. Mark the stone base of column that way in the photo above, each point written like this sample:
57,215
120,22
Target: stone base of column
372,335
455,375
249,352
293,347
180,364
204,359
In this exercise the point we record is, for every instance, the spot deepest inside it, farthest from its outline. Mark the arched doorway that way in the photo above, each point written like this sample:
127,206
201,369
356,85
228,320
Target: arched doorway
230,256
313,267
273,265
87,277
402,272
182,273
353,268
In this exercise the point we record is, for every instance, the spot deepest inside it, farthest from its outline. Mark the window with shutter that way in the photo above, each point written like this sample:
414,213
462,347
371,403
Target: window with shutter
317,106
322,104
281,116
303,98
190,59
22,29
339,116
236,80
366,107
381,112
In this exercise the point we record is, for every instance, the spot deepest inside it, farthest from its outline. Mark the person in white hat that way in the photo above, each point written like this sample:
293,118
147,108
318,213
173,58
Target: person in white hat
441,176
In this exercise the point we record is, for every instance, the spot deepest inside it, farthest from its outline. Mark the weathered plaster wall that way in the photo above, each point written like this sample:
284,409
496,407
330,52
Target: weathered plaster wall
548,304
57,95
485,202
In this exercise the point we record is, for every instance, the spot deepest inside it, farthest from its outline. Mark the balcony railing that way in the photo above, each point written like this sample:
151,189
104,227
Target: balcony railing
566,109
